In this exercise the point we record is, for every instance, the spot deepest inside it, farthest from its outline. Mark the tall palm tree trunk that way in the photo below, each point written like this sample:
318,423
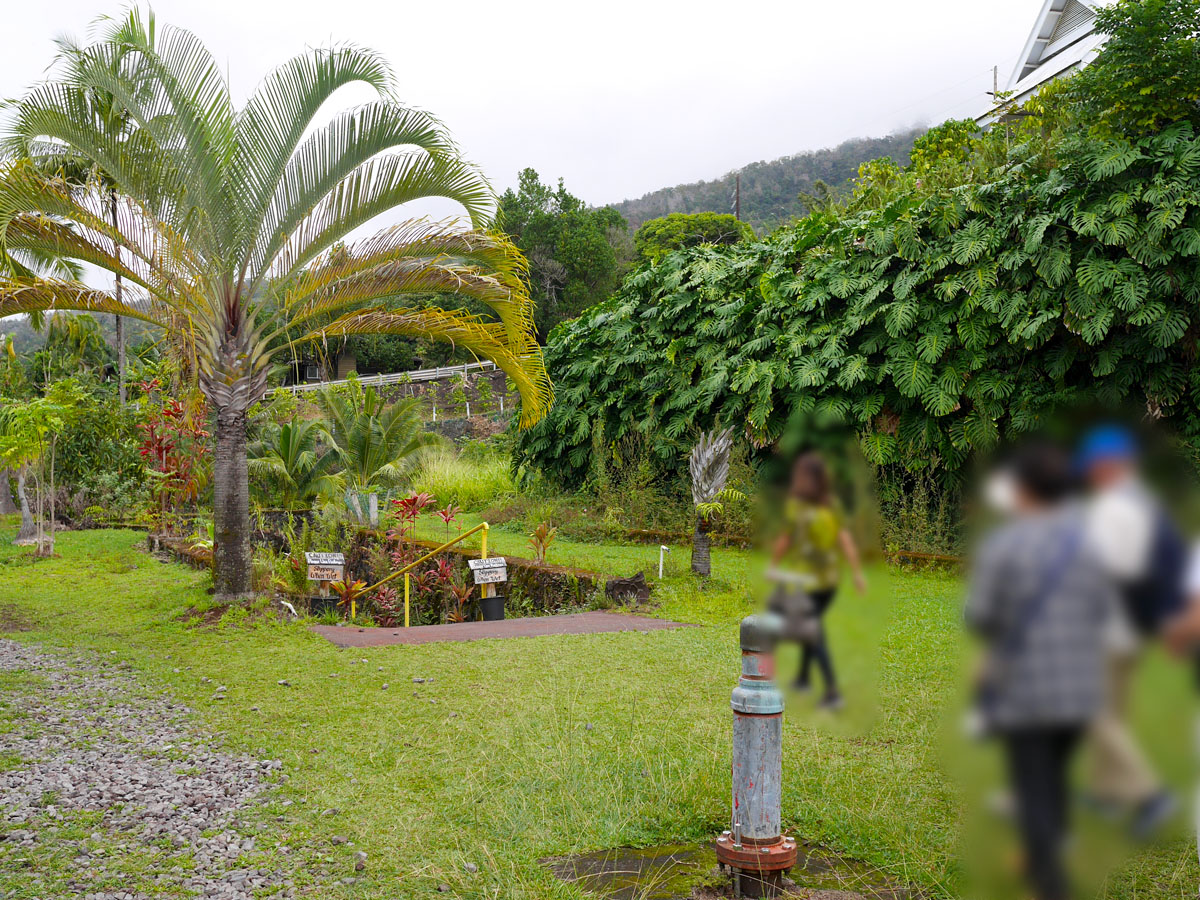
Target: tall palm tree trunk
701,549
120,351
231,506
112,208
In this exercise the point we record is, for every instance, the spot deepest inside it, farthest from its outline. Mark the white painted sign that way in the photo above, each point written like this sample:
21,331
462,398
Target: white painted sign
492,562
325,566
492,570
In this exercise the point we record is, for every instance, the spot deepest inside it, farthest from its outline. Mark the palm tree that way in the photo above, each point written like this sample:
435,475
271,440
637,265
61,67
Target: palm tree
227,220
115,121
287,459
375,443
708,464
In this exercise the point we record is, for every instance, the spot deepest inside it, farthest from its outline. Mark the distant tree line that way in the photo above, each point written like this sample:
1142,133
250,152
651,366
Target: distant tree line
773,192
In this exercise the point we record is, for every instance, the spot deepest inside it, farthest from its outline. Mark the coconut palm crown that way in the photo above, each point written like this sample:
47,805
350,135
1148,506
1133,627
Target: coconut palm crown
235,228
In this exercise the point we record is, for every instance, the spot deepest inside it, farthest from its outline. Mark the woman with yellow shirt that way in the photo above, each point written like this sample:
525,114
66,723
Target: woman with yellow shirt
811,549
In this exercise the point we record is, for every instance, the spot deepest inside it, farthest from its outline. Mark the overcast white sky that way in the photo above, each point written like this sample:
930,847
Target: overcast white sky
619,97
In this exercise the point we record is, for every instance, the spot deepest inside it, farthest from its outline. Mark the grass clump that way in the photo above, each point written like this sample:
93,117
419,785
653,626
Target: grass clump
473,478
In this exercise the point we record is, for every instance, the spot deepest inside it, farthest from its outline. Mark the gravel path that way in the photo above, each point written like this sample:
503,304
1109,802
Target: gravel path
108,787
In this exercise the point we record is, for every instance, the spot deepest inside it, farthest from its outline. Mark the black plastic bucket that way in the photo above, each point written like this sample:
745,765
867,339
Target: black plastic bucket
492,608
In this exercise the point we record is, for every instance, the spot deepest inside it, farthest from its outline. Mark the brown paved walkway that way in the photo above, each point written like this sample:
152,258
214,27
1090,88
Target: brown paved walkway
576,623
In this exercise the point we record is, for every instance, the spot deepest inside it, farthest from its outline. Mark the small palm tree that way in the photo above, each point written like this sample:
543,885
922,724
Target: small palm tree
376,444
231,225
287,460
708,465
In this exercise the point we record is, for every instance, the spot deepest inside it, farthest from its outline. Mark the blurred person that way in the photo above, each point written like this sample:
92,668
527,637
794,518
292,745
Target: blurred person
1183,638
1039,600
1140,548
807,561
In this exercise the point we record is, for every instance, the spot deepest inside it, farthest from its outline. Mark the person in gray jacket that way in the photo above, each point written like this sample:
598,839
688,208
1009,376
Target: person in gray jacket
1039,601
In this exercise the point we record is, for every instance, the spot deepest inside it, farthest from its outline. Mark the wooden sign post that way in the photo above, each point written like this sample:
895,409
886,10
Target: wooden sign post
324,568
493,570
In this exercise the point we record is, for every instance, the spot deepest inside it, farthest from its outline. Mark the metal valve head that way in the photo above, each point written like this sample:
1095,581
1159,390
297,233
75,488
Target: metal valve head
760,632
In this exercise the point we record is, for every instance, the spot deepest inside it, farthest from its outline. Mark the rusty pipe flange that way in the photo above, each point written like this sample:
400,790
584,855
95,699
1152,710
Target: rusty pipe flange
777,856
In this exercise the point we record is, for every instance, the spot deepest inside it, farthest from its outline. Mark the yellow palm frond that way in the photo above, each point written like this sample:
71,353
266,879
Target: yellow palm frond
36,295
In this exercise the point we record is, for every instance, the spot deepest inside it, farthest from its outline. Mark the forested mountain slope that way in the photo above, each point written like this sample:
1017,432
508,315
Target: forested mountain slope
771,190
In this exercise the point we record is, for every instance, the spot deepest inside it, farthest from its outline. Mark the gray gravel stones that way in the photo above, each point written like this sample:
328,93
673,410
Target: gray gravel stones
92,740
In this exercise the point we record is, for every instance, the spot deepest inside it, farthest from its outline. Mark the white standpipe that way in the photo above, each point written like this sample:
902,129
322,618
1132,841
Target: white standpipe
663,549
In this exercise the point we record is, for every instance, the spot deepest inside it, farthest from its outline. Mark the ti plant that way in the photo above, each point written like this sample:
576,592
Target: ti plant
460,595
348,592
708,464
388,606
449,516
540,540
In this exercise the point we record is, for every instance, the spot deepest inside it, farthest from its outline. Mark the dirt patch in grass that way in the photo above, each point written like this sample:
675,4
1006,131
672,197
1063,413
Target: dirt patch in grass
203,617
14,619
254,610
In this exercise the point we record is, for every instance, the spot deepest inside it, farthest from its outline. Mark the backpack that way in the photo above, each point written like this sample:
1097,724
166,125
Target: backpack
1159,594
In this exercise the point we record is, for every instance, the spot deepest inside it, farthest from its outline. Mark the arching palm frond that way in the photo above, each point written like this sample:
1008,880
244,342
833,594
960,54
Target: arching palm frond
288,460
376,443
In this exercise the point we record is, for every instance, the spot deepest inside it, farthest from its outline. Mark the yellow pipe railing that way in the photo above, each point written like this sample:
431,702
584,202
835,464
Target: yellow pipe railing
482,526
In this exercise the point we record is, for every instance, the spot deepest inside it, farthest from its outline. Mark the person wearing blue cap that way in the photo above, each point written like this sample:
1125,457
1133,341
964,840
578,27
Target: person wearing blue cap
1141,550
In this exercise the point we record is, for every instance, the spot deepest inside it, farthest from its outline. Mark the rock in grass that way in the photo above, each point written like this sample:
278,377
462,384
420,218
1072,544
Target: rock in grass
418,681
385,687
338,839
471,867
283,682
443,888
332,811
360,860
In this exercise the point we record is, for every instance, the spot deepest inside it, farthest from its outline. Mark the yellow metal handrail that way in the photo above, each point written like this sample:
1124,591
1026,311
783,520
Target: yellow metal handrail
482,526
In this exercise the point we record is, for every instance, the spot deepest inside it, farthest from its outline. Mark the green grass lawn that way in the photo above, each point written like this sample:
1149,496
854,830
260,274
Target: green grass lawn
493,762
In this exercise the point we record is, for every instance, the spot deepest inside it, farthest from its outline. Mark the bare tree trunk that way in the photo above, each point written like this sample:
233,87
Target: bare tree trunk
120,350
231,507
48,550
7,505
701,549
28,532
